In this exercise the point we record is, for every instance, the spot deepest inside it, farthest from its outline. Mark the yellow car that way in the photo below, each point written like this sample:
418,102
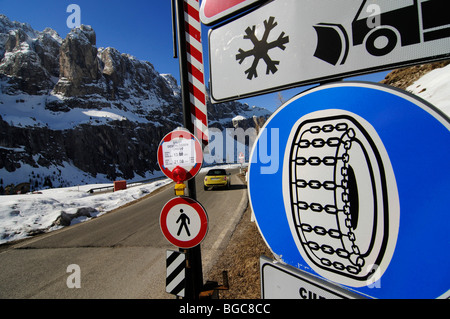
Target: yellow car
217,177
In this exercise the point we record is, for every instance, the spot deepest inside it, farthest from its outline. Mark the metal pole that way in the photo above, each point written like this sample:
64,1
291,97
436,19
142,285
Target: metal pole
174,28
194,272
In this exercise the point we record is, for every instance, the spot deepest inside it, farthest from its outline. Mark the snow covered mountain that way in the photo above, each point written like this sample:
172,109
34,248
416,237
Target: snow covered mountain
73,113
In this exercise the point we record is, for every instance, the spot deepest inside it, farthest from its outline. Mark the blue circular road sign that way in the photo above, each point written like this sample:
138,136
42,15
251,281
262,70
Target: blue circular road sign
349,182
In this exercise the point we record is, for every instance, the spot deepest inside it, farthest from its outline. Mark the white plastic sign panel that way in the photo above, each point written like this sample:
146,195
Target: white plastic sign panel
279,281
180,148
349,181
288,43
184,222
179,152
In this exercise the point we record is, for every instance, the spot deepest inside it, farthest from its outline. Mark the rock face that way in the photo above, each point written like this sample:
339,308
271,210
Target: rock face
78,63
27,57
64,103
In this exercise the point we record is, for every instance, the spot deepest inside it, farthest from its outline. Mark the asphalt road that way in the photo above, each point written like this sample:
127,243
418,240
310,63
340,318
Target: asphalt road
120,254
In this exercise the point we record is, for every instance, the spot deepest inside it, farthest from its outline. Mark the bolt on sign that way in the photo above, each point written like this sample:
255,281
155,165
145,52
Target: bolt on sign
288,43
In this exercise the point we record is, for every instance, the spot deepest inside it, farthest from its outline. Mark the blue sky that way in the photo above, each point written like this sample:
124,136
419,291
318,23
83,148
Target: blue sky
140,28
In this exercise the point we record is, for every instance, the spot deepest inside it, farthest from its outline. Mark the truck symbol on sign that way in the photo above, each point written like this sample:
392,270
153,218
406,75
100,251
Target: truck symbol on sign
402,21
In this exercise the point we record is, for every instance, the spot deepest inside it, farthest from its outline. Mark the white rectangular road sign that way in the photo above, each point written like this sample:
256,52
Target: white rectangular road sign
288,43
279,281
179,151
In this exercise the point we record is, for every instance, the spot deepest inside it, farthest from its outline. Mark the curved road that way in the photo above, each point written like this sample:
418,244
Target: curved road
120,254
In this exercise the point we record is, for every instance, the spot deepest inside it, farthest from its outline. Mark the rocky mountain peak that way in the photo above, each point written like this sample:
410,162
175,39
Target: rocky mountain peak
67,106
78,63
27,57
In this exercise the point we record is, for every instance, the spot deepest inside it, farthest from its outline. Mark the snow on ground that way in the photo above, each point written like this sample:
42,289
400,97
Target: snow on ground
23,215
29,110
434,87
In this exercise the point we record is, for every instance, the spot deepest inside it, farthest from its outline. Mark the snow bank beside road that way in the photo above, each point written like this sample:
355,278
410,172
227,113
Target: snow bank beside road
25,215
22,216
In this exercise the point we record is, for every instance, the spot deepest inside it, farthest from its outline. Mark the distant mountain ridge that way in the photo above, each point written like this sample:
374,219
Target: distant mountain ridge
72,113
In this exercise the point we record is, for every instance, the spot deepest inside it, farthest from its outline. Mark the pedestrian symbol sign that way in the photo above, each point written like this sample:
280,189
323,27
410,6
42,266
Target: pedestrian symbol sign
182,219
184,222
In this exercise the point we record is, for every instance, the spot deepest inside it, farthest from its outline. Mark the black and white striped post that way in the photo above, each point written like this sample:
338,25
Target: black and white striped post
176,273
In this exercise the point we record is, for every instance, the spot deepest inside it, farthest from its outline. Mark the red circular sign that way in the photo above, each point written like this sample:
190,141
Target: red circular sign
214,10
184,222
180,155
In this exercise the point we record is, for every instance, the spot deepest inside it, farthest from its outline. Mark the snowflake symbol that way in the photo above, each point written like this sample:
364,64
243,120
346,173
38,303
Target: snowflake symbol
261,48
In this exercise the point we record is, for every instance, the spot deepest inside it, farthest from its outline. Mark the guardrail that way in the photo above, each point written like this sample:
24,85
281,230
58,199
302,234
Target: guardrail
145,181
106,188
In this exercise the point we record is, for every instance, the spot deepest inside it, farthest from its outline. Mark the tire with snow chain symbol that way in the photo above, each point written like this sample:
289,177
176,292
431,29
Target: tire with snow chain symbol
348,183
338,207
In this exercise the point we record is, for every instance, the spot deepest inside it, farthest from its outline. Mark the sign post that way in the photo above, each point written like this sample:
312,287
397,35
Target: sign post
175,273
241,161
194,111
183,220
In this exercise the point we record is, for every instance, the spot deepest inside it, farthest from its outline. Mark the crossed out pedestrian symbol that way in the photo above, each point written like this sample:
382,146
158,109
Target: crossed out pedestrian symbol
182,220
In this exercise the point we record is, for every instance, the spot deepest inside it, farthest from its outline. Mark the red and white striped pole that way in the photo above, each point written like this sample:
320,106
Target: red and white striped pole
195,70
194,110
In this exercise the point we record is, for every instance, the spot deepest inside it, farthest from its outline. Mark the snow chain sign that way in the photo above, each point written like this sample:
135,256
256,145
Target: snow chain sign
180,149
288,43
359,176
